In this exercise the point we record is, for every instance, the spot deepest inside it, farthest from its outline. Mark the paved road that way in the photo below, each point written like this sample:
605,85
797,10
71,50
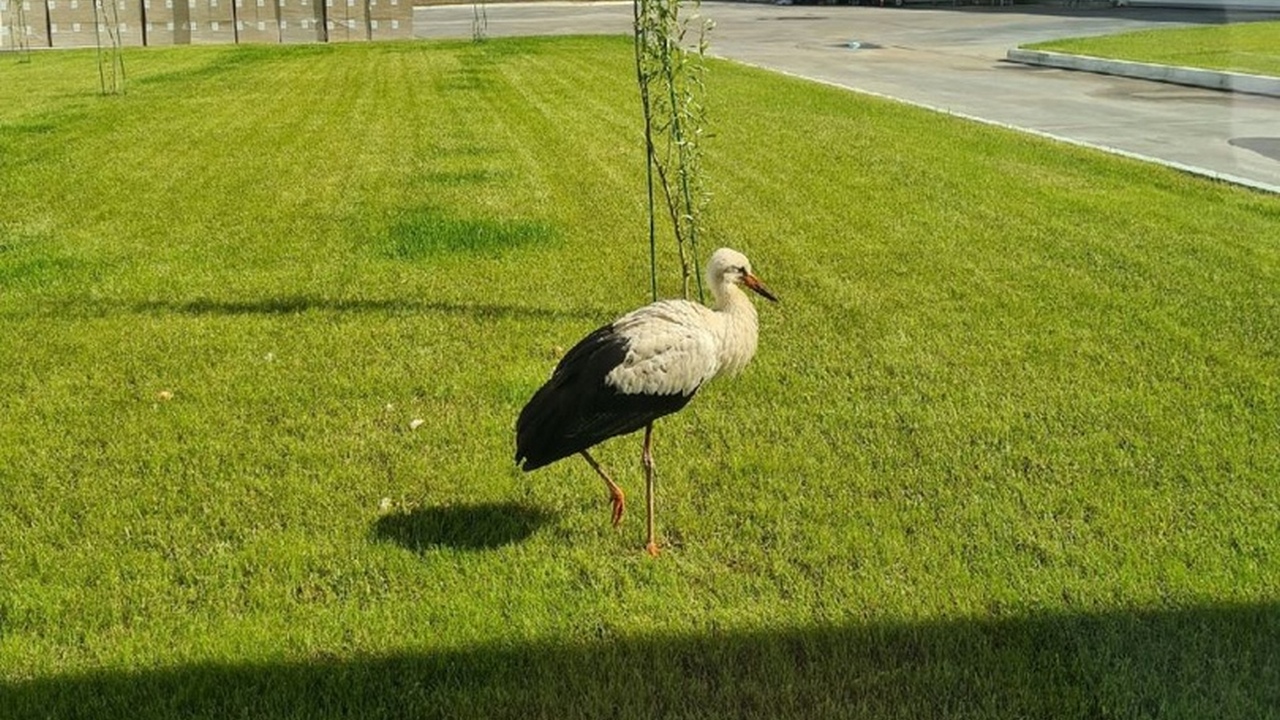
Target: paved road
952,59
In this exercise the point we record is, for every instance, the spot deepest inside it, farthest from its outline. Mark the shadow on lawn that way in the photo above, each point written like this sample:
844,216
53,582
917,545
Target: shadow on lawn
463,527
1219,662
298,304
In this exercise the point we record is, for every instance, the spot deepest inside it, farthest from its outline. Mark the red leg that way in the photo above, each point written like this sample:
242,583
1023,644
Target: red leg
616,498
647,458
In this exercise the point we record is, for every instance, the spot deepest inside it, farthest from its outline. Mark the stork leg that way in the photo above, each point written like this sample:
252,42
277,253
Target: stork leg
616,498
647,458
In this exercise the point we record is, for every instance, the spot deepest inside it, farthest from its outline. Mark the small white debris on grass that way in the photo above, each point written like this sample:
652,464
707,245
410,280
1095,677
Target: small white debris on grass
269,357
164,395
384,505
416,423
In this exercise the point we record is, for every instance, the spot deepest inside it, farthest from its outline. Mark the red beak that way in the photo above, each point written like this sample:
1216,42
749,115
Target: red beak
754,283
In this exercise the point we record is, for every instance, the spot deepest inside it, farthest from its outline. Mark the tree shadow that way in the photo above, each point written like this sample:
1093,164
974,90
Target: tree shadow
463,527
1206,662
284,305
297,304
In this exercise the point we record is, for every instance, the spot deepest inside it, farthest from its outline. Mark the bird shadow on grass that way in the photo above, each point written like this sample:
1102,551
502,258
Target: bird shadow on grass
462,527
1199,662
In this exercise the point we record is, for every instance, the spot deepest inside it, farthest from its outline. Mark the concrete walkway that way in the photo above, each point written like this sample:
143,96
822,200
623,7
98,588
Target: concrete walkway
954,60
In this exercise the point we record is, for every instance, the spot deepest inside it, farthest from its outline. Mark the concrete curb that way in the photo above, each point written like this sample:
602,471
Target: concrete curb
1213,79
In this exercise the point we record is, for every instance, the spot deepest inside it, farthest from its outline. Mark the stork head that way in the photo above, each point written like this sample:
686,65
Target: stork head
728,266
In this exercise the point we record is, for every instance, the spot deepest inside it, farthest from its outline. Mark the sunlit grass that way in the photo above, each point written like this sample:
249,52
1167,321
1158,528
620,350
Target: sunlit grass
1252,47
1008,448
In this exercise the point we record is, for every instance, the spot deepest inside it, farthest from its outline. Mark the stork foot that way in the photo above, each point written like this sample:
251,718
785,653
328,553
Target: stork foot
652,549
616,498
619,503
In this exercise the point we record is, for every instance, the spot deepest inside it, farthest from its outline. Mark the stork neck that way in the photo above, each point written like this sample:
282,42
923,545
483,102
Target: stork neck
722,295
737,328
730,299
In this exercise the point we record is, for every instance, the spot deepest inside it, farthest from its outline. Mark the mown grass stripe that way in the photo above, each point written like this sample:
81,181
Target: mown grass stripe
992,424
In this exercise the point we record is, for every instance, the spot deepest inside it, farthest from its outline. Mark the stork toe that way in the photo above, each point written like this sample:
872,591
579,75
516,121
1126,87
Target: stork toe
619,503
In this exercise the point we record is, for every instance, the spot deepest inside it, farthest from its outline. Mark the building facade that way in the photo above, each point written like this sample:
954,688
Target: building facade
87,23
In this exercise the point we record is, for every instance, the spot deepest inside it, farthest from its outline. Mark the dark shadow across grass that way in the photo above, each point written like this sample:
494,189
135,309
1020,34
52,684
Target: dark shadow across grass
287,305
482,526
1221,662
296,304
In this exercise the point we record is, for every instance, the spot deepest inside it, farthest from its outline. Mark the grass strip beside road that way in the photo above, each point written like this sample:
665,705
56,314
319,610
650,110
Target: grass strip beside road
1251,48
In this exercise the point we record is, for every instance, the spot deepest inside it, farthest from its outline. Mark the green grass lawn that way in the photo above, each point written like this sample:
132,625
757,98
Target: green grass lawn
1252,47
1009,447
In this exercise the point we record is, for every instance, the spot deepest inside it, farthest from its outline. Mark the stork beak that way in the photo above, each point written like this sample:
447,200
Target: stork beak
754,283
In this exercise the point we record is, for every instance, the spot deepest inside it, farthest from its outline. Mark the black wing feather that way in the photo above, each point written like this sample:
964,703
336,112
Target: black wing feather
577,409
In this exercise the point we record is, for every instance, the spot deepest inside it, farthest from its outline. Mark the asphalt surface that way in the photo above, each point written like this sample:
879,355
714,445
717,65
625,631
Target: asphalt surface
953,60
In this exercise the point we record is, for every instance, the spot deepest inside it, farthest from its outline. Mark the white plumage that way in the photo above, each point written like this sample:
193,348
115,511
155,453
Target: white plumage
646,364
671,348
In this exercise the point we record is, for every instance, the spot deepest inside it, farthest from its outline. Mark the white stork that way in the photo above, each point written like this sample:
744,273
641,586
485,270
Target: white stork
646,364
